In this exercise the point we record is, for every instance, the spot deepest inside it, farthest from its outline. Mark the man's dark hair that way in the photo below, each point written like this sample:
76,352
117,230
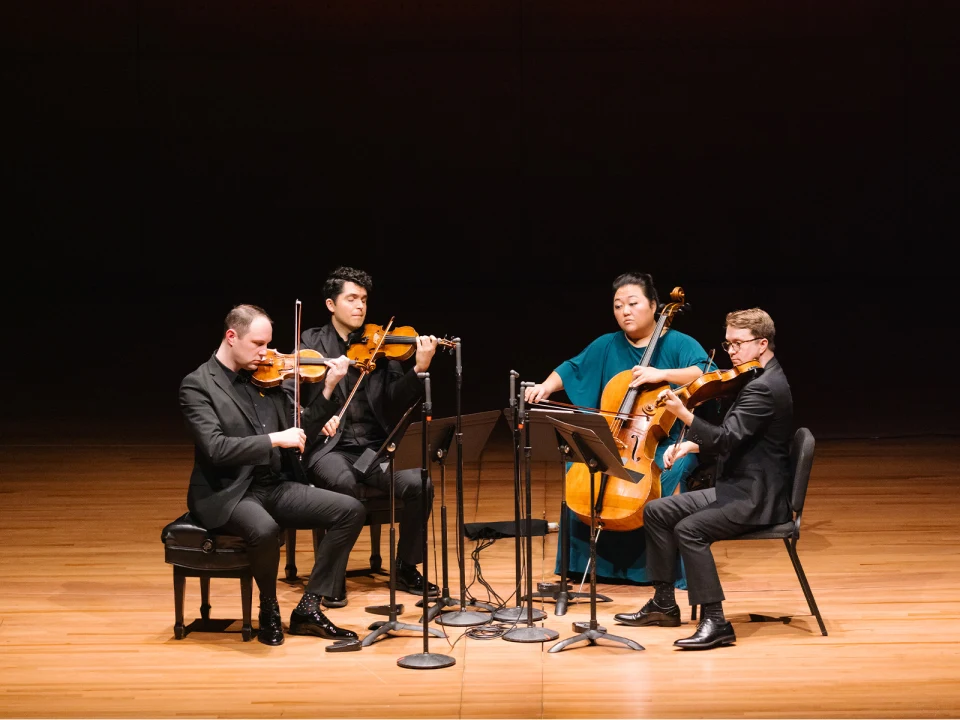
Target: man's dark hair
333,285
241,316
644,280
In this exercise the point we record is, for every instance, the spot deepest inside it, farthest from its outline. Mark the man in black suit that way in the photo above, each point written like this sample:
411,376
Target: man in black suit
378,402
751,490
247,479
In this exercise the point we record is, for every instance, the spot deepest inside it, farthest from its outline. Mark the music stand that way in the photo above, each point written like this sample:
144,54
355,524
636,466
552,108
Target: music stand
598,452
364,463
530,633
545,436
474,432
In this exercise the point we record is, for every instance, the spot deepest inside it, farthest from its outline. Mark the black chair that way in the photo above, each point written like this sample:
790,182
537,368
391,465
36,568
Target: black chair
377,504
197,552
801,460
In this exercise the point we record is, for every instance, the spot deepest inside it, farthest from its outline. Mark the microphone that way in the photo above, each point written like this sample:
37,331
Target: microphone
428,402
513,387
523,400
456,349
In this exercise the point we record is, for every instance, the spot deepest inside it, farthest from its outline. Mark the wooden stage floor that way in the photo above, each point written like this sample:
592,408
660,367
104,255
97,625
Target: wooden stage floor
86,610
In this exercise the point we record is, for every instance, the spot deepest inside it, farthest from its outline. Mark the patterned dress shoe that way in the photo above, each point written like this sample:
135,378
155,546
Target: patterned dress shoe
410,579
271,627
651,614
308,619
710,634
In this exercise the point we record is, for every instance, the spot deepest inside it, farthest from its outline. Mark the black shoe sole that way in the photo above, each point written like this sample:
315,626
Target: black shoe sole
401,585
271,644
710,645
317,632
330,603
647,621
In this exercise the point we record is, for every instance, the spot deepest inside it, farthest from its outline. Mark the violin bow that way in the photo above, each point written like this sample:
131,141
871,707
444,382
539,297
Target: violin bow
296,365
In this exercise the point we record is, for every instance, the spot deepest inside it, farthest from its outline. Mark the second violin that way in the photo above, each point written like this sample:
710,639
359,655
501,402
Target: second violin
377,341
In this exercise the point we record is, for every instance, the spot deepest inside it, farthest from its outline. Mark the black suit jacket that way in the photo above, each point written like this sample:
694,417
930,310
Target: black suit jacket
229,442
390,390
753,444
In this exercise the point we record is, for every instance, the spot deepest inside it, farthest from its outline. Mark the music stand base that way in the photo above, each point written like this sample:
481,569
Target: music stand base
382,627
447,602
426,661
592,636
464,618
516,614
562,599
530,634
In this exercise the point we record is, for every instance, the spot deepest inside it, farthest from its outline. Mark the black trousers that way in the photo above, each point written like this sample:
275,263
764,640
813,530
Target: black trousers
334,471
687,524
262,512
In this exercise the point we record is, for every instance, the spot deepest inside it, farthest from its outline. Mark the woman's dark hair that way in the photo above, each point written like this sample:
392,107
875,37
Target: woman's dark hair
644,280
333,285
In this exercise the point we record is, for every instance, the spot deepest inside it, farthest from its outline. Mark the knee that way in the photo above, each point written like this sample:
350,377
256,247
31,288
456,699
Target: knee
687,533
652,512
263,534
354,513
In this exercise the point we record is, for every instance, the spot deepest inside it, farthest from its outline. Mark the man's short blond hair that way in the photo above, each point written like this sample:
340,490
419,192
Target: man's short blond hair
756,321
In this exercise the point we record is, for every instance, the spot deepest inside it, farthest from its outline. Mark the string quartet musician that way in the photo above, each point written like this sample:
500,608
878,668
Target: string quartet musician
751,489
247,479
678,359
376,404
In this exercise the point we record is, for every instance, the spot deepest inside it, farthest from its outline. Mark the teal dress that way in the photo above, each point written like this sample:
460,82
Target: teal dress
622,555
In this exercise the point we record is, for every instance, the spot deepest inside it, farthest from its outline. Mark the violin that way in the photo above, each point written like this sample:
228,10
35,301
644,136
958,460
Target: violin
277,367
710,386
619,503
377,341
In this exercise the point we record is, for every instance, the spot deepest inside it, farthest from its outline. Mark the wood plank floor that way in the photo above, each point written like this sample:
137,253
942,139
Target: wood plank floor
86,610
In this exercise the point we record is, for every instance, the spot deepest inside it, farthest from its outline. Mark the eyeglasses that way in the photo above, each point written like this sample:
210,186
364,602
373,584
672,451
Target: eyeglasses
734,346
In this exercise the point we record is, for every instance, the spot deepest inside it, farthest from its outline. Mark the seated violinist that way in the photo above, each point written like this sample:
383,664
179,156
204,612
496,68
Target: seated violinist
380,398
247,479
751,490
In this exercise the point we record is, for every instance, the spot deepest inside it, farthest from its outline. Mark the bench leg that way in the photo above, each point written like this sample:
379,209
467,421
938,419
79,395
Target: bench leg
246,598
205,597
290,570
179,587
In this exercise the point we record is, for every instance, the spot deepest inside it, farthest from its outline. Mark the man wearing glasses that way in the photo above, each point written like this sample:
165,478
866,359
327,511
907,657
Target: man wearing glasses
752,487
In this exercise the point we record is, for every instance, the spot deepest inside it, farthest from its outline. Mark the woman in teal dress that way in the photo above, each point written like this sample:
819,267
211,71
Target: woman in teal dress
677,359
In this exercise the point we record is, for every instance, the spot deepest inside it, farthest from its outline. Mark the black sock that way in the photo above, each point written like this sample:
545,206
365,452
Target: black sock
308,604
663,594
713,611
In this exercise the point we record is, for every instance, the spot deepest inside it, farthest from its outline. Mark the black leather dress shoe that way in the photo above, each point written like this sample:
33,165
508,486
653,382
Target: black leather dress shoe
651,614
710,634
410,579
334,601
308,619
271,627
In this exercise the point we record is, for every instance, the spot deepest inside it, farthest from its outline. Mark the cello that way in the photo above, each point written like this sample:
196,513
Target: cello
637,423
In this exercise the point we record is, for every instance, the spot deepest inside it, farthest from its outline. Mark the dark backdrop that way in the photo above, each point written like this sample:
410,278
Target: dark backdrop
493,165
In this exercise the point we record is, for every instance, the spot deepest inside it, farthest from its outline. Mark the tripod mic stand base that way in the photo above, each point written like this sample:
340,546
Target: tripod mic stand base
436,608
464,618
426,661
515,614
592,636
530,634
382,627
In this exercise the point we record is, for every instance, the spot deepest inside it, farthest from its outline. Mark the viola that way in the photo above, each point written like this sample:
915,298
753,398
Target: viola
377,341
619,503
710,386
277,367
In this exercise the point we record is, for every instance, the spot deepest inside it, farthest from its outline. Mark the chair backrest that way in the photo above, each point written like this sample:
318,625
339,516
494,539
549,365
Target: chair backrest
801,461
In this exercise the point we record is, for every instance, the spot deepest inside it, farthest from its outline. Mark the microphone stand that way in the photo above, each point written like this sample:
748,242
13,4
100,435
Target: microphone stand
530,633
514,614
425,660
462,617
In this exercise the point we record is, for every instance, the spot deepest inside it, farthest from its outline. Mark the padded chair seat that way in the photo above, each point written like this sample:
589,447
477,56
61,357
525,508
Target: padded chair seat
189,544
